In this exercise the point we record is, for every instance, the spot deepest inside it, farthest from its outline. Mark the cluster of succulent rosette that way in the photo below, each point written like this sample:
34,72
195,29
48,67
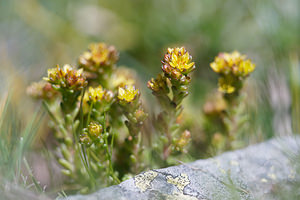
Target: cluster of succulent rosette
99,63
87,106
97,116
170,88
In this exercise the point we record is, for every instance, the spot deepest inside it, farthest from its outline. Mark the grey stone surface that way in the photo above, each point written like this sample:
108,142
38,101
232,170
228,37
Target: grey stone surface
250,173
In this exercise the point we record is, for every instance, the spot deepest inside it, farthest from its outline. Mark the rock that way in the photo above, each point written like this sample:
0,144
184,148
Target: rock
250,173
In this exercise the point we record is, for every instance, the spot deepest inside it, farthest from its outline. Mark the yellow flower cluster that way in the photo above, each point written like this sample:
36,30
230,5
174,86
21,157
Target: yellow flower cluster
95,129
66,78
98,94
127,94
123,76
177,62
91,134
180,59
98,55
227,84
176,66
234,63
183,141
158,85
233,68
94,94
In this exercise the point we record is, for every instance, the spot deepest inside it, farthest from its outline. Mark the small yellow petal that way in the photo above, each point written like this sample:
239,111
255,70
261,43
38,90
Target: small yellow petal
127,93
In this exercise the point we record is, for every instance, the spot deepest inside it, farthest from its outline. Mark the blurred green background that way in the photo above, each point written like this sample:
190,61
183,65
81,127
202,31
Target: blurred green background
38,34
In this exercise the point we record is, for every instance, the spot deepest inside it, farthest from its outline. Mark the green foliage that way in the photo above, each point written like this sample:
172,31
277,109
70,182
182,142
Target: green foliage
16,138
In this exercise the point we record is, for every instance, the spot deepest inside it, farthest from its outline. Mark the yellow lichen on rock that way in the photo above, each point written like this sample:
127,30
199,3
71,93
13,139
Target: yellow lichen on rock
143,181
180,181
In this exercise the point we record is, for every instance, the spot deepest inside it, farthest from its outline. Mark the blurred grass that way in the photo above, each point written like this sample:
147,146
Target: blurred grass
295,90
16,136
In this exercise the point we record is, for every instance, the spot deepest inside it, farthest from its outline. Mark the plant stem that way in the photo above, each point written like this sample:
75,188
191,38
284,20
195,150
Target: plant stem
109,154
82,154
89,114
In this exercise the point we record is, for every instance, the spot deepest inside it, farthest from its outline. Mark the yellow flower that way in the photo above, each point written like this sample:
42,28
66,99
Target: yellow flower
218,65
234,63
180,59
98,96
226,85
85,139
99,52
123,76
245,68
66,78
95,129
99,55
233,58
128,93
183,141
158,85
94,94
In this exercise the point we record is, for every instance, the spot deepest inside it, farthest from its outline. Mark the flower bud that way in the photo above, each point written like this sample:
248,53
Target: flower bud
108,96
140,115
98,58
226,84
66,78
95,129
158,85
85,139
42,90
183,140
